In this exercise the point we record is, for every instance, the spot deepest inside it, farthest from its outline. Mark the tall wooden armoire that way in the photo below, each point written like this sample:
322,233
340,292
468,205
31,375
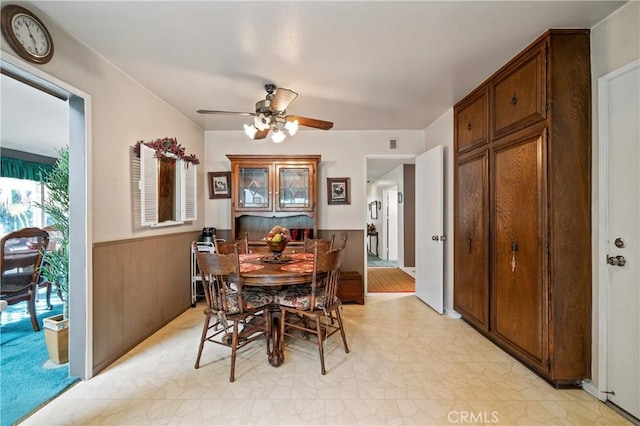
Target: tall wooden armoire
522,228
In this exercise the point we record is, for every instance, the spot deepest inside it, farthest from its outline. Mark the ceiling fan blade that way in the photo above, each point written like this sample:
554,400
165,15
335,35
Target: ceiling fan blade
261,134
310,122
282,99
209,111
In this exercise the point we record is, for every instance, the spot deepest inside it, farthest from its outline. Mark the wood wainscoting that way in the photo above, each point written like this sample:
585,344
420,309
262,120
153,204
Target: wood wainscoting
139,285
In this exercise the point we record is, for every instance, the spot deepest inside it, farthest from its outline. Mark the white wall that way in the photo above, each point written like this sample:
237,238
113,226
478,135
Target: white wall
440,132
615,42
343,155
118,112
375,194
122,112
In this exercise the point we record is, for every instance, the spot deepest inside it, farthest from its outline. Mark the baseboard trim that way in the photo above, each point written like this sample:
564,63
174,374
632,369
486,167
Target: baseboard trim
593,391
411,270
452,314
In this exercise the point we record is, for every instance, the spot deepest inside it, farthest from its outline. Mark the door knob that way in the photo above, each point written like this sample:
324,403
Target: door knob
616,260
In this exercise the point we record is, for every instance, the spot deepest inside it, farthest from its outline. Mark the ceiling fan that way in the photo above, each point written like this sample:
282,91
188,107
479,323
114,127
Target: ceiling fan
271,114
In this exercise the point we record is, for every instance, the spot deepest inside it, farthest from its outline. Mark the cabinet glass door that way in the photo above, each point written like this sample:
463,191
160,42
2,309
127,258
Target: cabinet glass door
253,188
293,188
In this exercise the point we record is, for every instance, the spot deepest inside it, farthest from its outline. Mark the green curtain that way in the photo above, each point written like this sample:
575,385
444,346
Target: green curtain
20,169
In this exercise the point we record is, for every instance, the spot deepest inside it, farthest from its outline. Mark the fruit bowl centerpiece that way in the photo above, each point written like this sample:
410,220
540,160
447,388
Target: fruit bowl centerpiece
277,240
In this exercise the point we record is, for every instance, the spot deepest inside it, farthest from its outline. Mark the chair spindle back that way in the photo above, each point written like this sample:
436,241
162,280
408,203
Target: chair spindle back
328,263
217,271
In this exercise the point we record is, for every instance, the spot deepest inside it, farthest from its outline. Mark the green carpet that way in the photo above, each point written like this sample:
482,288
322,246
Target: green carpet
25,383
374,261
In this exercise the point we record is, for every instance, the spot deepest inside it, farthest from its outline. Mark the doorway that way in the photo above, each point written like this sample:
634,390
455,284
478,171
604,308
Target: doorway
79,182
619,239
385,227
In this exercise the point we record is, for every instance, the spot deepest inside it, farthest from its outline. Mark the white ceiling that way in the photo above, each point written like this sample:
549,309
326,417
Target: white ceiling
31,120
365,65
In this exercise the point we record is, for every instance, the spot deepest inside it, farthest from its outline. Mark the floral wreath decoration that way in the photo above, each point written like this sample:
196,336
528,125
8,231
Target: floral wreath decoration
167,146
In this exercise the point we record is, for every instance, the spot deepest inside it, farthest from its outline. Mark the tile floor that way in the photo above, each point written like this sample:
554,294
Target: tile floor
407,365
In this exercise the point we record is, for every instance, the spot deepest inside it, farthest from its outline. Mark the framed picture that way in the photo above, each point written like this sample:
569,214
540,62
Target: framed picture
374,209
338,190
219,185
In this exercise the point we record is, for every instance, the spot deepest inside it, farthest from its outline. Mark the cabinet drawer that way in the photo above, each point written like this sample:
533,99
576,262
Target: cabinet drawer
472,121
518,96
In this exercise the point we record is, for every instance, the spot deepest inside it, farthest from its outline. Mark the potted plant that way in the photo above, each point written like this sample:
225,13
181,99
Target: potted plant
55,265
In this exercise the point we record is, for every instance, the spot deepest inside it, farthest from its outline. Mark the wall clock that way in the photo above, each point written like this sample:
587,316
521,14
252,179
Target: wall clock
26,34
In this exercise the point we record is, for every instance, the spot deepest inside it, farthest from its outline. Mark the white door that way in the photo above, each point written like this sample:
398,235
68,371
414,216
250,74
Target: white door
620,139
430,228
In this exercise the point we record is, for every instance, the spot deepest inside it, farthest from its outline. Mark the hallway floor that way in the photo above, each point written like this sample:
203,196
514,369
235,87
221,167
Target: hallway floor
428,369
375,262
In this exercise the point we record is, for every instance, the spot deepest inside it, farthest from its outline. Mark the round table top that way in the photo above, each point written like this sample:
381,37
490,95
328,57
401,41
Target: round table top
256,269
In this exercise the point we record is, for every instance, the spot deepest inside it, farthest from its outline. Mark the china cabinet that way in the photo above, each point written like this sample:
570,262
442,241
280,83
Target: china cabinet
522,222
273,190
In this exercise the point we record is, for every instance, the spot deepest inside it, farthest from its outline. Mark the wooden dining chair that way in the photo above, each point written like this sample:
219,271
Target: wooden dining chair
323,245
233,317
21,255
228,247
343,240
314,309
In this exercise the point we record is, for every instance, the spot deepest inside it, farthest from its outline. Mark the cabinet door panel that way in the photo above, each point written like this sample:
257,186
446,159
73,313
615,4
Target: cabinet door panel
471,122
471,291
519,296
253,188
519,97
294,188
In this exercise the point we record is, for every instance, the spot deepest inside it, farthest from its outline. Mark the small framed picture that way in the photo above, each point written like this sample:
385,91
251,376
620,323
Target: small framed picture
374,209
338,190
219,185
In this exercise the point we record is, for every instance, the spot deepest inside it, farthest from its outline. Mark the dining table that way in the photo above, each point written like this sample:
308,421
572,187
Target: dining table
275,273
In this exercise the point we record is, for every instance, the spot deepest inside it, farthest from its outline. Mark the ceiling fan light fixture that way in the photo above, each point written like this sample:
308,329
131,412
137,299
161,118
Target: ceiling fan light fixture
250,131
262,122
291,126
277,135
271,116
